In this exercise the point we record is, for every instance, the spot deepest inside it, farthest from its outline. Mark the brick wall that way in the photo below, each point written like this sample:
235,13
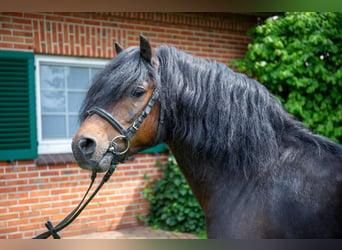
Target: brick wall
32,194
215,36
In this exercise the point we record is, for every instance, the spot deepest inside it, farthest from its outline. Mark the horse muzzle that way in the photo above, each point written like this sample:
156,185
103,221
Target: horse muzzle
91,156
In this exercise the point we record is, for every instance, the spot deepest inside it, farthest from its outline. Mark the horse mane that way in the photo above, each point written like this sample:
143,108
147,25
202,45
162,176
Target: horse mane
217,113
225,116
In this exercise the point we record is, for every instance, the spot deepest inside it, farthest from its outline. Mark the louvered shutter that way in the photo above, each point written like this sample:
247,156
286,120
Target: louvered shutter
18,138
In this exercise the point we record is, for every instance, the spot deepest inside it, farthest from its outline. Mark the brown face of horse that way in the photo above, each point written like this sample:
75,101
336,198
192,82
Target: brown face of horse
91,142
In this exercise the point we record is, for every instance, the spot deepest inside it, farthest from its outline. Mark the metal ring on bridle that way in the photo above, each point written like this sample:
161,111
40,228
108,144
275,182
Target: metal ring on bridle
112,145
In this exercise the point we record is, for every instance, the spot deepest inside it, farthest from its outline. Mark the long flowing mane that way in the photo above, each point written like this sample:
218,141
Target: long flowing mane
225,116
222,115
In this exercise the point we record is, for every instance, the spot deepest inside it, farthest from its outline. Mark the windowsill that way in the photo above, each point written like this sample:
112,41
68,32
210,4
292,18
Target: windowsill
55,159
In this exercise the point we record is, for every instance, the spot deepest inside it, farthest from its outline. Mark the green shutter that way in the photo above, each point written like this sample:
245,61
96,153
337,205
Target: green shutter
160,148
18,138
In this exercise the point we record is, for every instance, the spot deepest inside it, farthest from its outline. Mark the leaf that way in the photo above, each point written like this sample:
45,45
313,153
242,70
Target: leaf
183,191
177,181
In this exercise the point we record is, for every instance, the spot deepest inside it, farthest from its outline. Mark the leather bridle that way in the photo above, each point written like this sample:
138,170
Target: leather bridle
126,134
118,156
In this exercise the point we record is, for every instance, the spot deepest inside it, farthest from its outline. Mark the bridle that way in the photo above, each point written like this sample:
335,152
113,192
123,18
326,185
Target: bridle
118,157
126,134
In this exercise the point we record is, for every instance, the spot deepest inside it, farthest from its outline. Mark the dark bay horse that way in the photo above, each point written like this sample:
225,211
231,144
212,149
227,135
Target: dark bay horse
254,169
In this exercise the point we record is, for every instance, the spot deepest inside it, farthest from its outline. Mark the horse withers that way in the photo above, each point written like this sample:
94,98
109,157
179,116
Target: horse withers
255,170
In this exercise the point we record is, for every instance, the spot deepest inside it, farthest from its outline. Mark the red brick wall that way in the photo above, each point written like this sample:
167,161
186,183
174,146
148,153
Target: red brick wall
31,194
220,37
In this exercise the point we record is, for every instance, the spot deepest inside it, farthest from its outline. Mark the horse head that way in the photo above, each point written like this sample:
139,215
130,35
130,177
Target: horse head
120,115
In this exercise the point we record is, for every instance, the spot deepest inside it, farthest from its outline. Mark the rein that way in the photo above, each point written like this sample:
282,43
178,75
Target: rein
126,134
74,214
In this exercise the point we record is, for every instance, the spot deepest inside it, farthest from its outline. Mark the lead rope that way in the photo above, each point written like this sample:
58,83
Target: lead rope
74,214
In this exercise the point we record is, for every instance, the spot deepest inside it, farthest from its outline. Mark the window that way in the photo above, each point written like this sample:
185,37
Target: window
62,83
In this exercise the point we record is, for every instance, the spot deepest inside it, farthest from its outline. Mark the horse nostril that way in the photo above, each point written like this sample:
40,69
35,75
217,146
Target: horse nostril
87,146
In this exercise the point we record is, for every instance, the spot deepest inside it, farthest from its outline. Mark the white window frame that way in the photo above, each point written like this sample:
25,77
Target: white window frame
57,146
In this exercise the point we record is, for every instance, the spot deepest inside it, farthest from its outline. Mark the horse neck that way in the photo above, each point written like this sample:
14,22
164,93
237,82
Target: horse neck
206,177
193,171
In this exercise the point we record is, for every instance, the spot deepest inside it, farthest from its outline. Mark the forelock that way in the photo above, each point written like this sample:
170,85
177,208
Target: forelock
112,82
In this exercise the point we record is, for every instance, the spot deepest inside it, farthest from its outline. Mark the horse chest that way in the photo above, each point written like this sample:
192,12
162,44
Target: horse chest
238,215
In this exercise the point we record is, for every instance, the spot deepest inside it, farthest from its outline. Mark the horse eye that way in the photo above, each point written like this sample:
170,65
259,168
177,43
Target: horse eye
138,92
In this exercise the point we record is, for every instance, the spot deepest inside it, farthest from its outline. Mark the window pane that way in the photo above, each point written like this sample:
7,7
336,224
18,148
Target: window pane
53,101
73,125
93,72
52,77
53,126
75,100
78,78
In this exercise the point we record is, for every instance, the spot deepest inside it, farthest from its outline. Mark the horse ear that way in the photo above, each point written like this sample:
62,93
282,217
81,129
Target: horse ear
118,48
145,49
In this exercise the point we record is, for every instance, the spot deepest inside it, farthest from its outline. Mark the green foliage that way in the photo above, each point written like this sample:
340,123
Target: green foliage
298,57
173,206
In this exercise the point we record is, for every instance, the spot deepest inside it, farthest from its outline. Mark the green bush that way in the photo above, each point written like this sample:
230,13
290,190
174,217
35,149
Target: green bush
172,204
298,57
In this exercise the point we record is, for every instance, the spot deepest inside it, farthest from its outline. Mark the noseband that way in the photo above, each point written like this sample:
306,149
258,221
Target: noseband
126,134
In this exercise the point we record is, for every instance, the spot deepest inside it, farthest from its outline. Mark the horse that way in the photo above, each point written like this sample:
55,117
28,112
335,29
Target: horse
256,171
